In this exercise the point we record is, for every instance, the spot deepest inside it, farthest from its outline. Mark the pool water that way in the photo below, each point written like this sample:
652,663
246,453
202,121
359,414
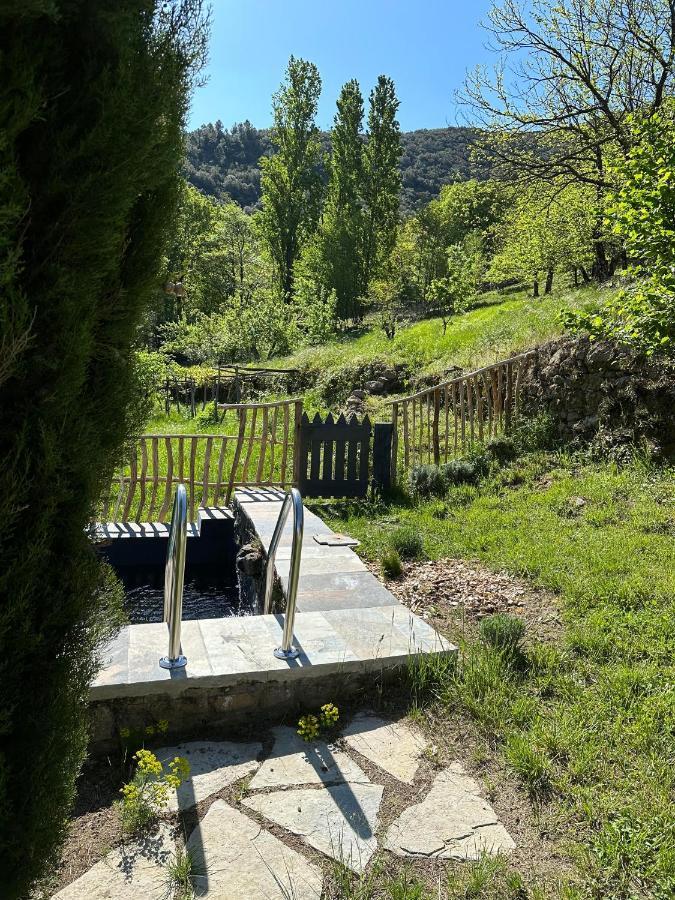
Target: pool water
208,594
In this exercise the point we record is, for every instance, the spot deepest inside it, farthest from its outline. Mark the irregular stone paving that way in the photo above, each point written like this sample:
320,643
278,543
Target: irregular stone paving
340,820
234,858
452,822
213,765
336,812
392,746
293,761
133,871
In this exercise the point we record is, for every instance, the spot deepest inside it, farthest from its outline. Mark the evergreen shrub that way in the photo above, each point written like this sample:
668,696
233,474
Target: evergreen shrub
93,98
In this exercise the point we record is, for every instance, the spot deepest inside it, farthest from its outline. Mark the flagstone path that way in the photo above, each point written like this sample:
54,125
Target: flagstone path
319,796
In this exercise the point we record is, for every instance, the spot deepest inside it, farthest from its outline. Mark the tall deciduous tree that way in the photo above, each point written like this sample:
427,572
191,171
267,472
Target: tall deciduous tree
381,178
569,75
642,212
547,231
93,98
339,240
291,181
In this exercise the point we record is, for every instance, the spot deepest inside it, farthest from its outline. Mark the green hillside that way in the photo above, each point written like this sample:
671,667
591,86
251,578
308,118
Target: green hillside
224,162
503,324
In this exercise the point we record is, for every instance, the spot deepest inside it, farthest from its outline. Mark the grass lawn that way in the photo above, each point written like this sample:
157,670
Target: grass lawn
587,723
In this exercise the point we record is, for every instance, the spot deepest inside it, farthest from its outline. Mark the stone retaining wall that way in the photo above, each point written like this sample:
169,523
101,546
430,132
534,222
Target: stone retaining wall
602,391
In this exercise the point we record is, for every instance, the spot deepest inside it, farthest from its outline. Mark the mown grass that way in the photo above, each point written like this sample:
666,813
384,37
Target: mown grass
587,724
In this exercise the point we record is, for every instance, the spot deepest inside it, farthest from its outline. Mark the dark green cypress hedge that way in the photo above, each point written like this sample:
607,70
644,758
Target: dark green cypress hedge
92,103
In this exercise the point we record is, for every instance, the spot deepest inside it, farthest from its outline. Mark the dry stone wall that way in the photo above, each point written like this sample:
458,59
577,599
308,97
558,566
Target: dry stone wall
600,391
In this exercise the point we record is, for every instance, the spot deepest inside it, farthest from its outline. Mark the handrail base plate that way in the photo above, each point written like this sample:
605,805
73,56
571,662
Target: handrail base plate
291,653
178,663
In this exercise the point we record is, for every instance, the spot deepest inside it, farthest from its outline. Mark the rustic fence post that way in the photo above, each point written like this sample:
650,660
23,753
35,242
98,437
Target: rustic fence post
383,441
216,395
509,396
394,443
297,436
437,414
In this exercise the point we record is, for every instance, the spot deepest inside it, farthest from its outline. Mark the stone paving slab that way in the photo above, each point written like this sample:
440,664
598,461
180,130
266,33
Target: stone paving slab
452,822
294,761
340,820
235,859
136,871
213,765
393,746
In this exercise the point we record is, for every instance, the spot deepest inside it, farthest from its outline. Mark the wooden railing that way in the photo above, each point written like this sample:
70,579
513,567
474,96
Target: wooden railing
439,422
261,452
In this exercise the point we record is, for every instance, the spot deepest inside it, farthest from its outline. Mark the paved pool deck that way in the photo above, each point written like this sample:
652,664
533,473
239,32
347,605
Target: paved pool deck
347,624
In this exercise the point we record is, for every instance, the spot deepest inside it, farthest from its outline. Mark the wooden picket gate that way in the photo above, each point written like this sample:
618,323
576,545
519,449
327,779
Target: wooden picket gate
261,451
438,423
333,456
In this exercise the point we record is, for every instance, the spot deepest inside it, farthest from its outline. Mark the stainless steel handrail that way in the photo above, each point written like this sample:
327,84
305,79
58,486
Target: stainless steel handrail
292,499
174,574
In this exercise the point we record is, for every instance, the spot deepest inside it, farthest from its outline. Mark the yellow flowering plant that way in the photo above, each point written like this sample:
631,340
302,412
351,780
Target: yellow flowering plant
148,792
329,715
310,726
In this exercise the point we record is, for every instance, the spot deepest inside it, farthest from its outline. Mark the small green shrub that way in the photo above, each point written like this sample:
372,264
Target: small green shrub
407,542
536,433
502,449
465,471
391,563
503,632
427,481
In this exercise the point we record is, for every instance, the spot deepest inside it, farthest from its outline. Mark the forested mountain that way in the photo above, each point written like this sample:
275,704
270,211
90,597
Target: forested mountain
223,162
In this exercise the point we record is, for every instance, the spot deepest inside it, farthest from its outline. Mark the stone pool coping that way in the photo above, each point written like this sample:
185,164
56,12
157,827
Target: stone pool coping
330,577
227,652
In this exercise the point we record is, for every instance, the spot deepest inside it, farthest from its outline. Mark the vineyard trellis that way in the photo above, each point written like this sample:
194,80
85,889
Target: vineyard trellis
211,466
439,422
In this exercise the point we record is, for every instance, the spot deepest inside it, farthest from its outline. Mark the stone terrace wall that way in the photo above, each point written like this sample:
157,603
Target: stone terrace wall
603,391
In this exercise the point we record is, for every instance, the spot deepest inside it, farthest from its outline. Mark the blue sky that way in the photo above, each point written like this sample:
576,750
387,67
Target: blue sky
425,46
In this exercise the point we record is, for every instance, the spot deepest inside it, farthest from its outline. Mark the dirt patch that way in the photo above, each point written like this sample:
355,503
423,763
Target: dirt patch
454,595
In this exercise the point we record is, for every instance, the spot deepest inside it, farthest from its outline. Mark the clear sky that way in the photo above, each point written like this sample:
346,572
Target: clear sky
426,46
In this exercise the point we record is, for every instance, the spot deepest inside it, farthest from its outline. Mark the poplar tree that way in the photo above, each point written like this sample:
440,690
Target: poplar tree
291,179
339,249
381,178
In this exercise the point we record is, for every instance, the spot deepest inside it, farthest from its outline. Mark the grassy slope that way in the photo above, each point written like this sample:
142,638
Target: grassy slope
588,725
502,325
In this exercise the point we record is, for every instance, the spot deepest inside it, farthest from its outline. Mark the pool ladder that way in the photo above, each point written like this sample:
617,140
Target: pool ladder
294,500
174,575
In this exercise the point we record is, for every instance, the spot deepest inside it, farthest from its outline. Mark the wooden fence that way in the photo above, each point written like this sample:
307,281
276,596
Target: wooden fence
228,385
440,422
260,451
